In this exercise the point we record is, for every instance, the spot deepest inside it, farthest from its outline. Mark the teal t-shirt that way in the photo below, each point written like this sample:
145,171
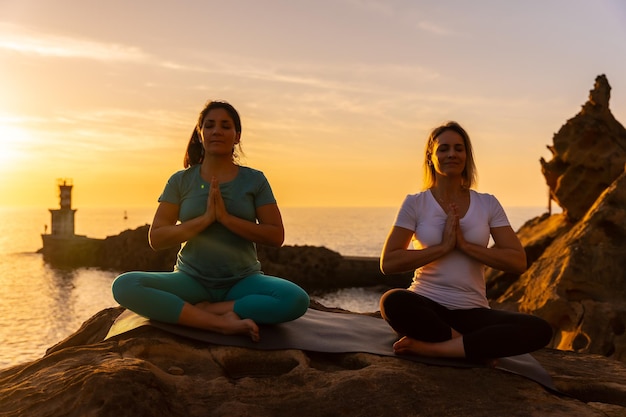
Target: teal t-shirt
218,257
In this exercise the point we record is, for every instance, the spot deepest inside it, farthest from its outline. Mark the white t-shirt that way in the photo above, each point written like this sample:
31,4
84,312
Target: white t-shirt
455,280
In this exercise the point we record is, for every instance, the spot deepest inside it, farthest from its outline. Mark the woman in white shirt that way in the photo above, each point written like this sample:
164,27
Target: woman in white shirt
445,311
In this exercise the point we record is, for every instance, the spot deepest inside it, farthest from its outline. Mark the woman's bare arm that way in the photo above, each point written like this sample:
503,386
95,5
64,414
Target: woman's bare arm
165,232
507,254
268,231
396,257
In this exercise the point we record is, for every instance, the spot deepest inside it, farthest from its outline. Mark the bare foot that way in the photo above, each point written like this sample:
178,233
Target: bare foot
452,348
232,324
406,345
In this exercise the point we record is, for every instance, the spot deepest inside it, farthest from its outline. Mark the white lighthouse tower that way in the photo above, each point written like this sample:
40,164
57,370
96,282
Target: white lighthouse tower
62,247
63,219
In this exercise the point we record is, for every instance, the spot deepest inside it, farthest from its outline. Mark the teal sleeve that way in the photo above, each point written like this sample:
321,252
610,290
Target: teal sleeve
172,191
264,193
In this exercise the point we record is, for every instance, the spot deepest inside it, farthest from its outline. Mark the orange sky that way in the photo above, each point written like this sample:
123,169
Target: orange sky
336,97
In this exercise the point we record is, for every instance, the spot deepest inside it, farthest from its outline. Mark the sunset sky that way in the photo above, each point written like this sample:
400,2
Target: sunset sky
336,97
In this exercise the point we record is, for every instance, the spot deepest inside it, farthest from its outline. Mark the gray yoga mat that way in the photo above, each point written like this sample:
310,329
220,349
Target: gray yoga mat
321,331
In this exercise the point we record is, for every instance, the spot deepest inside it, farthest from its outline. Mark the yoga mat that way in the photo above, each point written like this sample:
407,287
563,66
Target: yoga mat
321,331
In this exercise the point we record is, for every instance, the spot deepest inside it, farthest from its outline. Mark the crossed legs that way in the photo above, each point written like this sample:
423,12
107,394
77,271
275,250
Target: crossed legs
429,329
175,297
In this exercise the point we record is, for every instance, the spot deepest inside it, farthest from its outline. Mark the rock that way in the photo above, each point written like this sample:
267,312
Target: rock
316,268
588,154
309,266
124,252
130,250
70,251
130,375
576,278
536,235
578,284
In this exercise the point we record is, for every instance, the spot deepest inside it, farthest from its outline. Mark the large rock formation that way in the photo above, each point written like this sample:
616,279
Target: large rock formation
588,154
578,283
317,268
147,372
577,274
124,252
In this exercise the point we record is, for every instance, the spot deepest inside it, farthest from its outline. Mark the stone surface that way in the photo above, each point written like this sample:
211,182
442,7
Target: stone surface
147,372
319,268
535,235
130,251
588,154
124,252
578,283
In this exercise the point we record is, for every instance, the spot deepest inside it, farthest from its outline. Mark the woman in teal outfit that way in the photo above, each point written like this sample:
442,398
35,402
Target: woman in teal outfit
218,210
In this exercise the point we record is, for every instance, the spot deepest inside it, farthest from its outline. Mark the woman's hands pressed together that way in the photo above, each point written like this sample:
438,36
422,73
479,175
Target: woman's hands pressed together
216,209
396,257
451,230
507,254
453,234
268,231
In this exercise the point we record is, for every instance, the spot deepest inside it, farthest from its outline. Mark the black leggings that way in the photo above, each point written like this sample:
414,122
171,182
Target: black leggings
486,333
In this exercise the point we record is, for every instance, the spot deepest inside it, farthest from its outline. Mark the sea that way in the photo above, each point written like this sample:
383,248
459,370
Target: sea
41,305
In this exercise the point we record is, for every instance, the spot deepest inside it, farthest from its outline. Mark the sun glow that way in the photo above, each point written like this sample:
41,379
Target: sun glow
12,142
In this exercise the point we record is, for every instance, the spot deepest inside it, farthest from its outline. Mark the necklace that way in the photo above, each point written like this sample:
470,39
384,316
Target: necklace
459,199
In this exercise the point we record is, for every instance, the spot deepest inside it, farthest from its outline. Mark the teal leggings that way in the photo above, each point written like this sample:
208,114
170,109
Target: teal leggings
161,296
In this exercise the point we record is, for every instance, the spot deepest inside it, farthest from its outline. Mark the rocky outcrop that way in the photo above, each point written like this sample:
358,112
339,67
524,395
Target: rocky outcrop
130,251
147,372
124,252
536,235
578,283
317,268
588,154
576,278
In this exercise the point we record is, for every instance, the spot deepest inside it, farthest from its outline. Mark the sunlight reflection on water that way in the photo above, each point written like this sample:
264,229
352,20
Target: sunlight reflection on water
358,300
41,306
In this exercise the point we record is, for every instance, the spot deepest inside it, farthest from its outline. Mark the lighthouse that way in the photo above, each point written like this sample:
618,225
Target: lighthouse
62,222
62,247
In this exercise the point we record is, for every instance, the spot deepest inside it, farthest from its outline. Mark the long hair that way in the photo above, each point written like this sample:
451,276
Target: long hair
195,150
469,173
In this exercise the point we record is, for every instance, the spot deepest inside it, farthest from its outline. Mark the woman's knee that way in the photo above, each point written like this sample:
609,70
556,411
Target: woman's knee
296,302
393,302
542,331
124,285
269,300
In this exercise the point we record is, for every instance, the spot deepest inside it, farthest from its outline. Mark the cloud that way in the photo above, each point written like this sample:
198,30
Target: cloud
433,28
106,130
406,13
374,6
26,41
354,79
